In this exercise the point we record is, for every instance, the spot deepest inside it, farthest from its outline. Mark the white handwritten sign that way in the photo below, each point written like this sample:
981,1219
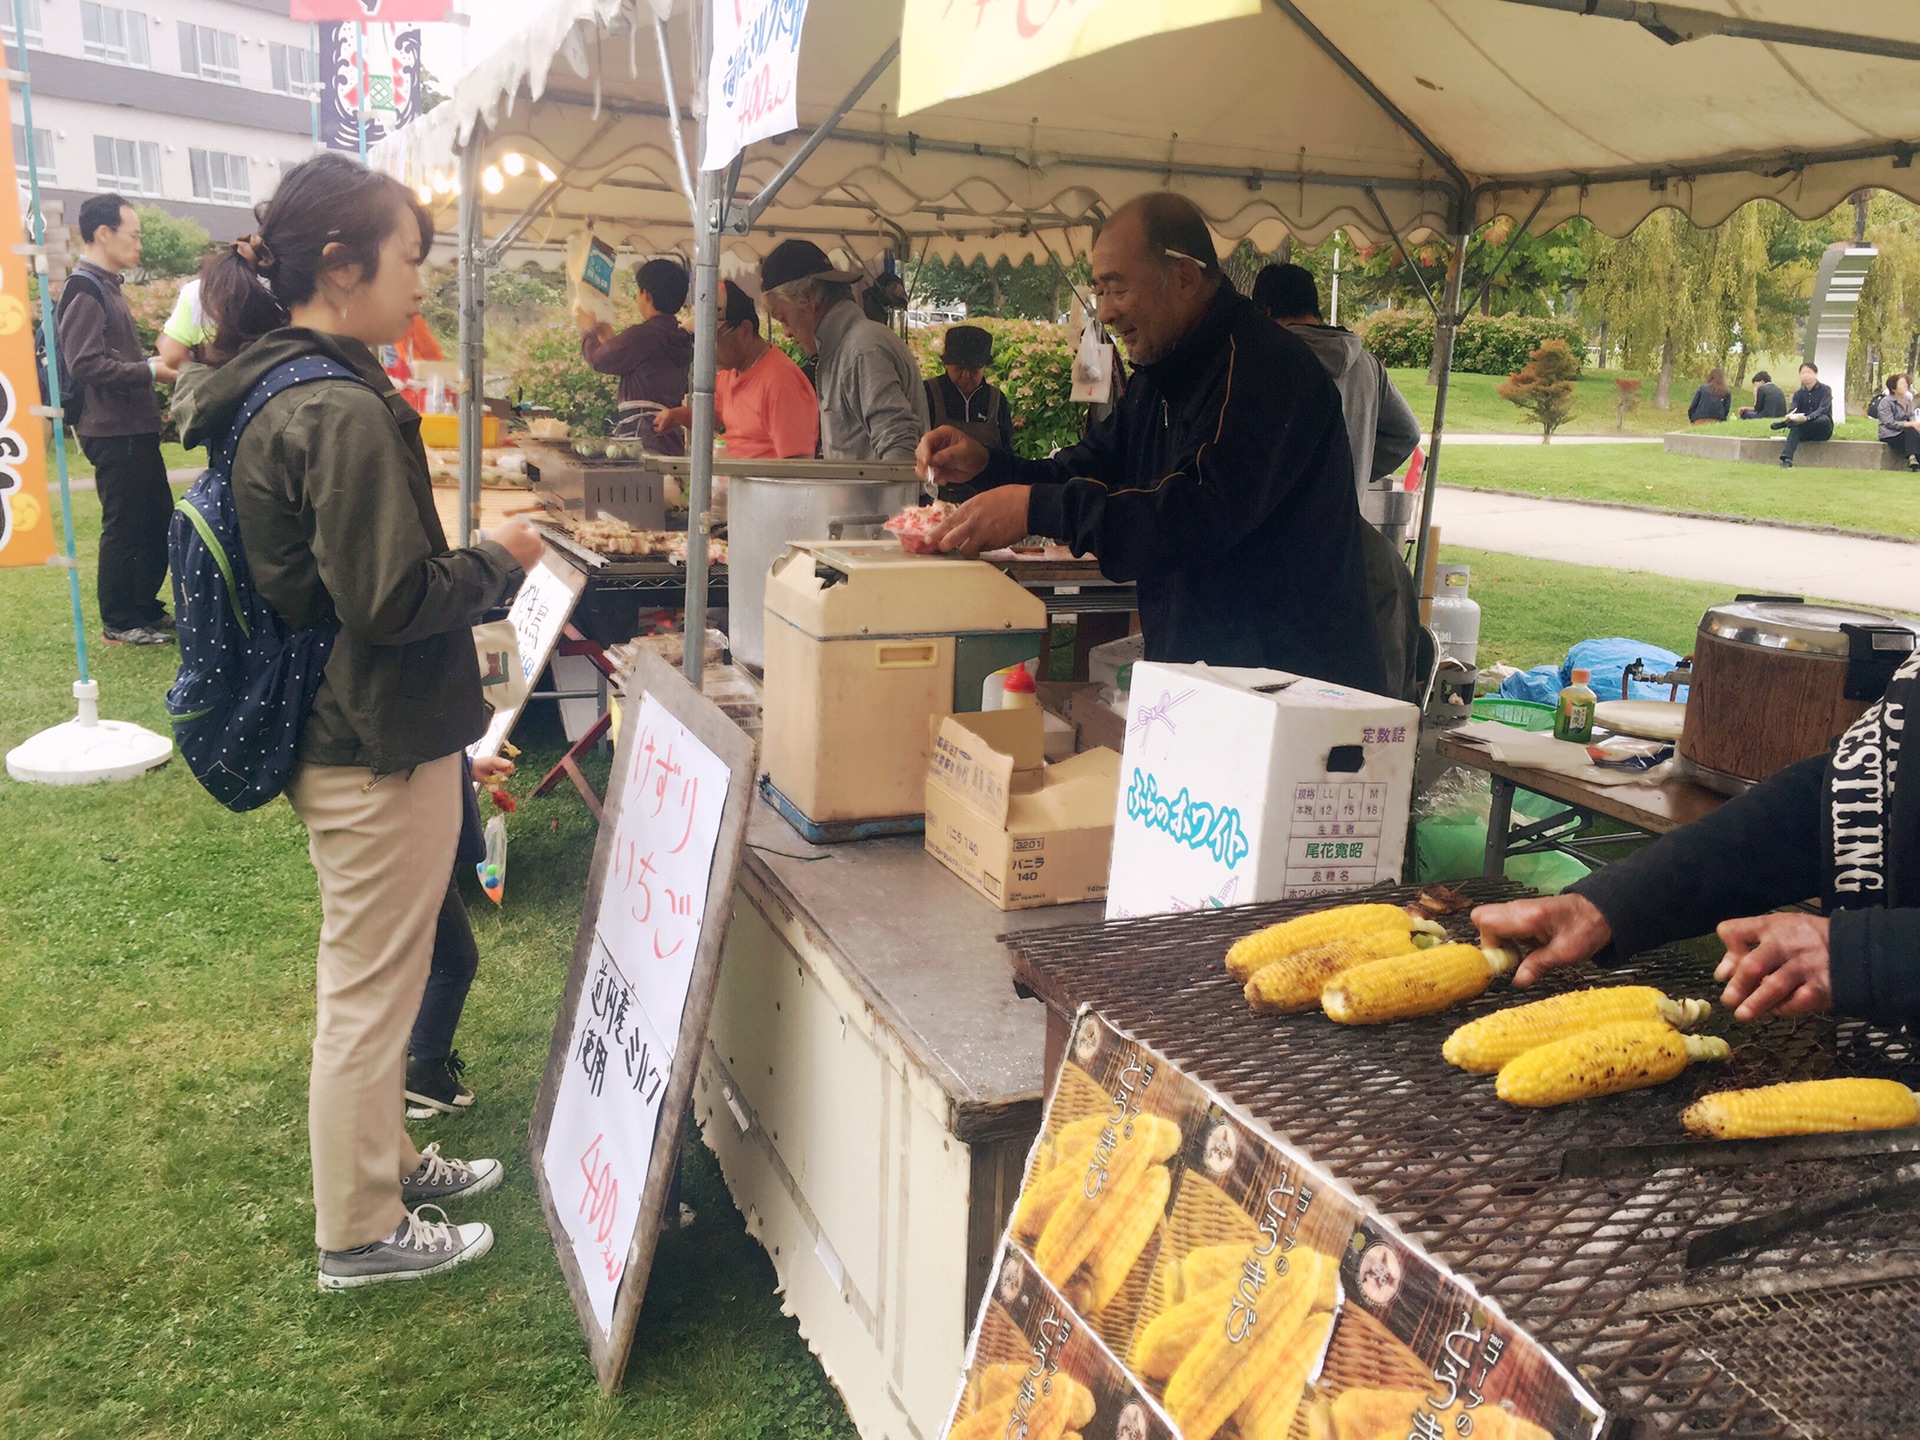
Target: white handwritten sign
539,614
626,1025
754,76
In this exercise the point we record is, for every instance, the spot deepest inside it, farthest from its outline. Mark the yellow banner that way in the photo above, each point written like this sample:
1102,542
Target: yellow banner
950,48
26,519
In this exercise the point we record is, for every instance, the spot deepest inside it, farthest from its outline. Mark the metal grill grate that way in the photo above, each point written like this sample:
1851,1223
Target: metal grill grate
1478,1181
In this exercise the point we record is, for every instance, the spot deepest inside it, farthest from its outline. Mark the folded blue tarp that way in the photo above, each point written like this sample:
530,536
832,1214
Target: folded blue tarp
1607,659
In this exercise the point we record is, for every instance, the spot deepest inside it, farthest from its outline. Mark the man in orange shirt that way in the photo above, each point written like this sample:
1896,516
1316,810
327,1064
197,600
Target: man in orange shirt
762,400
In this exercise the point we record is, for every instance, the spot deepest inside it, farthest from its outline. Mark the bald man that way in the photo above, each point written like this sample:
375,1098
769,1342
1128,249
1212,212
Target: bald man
1221,485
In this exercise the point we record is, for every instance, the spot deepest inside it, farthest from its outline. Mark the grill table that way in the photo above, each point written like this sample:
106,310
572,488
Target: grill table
1815,1335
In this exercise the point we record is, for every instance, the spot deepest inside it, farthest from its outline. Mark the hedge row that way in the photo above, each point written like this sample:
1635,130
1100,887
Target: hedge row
1486,344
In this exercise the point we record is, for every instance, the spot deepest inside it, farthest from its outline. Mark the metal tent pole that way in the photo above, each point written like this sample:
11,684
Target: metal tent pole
708,216
473,289
1443,342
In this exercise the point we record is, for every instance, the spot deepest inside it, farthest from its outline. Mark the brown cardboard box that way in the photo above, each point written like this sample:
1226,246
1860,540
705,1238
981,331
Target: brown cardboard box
1083,705
1020,833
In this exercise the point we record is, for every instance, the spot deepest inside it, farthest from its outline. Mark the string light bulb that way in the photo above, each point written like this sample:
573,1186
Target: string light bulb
492,181
514,163
546,175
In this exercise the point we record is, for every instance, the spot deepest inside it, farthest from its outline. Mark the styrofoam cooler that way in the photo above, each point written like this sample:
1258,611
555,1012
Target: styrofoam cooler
1246,785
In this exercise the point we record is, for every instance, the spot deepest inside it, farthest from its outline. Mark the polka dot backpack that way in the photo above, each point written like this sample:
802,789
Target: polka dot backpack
246,681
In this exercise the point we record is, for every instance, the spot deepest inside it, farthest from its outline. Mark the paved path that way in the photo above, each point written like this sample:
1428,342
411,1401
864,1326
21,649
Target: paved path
1467,437
1884,574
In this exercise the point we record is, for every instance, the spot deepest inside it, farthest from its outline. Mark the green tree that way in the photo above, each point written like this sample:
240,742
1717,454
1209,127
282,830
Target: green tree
1651,292
1543,387
170,245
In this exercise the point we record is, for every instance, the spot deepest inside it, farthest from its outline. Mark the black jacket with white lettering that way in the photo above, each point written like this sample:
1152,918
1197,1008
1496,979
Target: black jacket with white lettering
1757,852
1222,485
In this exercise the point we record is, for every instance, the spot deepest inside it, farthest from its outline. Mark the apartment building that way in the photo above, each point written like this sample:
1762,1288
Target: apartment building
192,105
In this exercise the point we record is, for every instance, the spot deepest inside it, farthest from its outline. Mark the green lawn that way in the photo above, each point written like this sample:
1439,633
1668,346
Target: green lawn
1473,405
1885,502
156,1226
178,457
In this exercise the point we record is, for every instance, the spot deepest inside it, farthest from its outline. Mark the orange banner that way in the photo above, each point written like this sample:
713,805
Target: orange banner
26,519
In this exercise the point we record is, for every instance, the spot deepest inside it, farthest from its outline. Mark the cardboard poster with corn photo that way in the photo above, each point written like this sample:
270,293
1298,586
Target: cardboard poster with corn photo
1250,1294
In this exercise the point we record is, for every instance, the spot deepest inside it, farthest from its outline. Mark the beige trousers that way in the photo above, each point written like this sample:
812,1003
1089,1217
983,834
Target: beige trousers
383,850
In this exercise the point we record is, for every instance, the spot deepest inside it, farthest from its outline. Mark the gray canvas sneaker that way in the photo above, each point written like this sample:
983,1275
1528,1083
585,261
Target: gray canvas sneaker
418,1248
439,1178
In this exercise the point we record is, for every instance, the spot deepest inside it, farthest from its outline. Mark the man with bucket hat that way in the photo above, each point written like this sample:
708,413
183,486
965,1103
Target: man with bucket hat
964,399
872,404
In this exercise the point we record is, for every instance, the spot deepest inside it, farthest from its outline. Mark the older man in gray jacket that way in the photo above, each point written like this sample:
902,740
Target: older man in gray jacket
873,405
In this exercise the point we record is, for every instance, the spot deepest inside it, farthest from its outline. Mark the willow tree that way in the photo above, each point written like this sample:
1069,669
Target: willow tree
1651,291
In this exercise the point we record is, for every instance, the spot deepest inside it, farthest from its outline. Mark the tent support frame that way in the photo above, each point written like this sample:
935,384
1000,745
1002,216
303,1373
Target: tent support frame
1506,253
1405,257
1448,327
1678,24
673,112
738,220
473,289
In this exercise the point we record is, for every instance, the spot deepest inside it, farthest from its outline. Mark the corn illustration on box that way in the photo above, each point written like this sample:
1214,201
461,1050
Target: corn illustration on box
1241,1292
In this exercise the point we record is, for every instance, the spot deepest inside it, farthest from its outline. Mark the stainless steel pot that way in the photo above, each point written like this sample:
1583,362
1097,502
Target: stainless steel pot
801,500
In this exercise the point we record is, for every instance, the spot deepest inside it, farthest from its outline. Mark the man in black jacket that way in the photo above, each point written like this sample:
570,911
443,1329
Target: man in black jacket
1839,826
1811,415
1769,400
1222,484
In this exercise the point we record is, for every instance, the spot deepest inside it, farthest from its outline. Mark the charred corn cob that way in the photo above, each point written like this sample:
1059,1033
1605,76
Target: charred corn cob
1222,1367
1074,1228
1482,1046
1267,1413
1807,1107
1375,925
1408,985
1163,1344
1627,1055
1293,982
1134,1214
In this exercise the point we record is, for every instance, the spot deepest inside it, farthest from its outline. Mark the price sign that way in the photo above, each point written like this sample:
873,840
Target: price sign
539,614
606,1130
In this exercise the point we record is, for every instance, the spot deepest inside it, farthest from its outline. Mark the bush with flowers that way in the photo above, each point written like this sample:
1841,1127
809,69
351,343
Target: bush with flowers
1033,364
549,370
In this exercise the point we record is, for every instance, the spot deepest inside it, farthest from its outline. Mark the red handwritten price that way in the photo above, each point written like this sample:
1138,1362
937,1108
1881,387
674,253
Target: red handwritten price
601,1205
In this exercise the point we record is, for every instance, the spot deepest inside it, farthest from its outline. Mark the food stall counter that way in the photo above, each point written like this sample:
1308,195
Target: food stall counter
871,1086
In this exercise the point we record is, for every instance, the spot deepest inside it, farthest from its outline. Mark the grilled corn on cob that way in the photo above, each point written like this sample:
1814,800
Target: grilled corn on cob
1627,1055
1073,1139
1374,925
1267,1413
1205,1268
1807,1107
1293,982
1075,1226
1409,985
1221,1369
1163,1344
1128,1223
1042,1197
1482,1046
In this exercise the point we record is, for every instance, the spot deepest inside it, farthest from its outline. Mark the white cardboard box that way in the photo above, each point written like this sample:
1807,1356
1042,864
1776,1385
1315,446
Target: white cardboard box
1246,785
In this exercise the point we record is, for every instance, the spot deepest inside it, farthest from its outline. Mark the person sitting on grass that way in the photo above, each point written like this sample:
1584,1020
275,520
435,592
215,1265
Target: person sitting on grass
1769,400
1711,401
1899,424
1811,414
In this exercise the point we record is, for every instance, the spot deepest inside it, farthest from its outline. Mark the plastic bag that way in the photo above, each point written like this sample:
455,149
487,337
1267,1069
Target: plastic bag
1608,660
493,870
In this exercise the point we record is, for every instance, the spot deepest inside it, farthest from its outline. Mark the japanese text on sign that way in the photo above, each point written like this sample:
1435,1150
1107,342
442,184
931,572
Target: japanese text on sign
754,78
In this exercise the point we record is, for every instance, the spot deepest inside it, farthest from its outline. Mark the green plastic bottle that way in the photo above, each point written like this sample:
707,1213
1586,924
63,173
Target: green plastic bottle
1573,716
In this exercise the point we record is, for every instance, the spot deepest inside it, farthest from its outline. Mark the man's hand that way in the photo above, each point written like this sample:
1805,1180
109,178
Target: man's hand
585,320
1564,929
521,540
1796,418
948,457
680,417
986,522
1776,964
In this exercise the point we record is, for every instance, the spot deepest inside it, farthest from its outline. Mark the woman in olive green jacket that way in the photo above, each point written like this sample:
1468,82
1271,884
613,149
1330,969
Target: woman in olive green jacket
336,512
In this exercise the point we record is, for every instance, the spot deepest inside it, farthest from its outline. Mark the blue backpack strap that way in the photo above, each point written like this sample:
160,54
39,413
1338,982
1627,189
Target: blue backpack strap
301,371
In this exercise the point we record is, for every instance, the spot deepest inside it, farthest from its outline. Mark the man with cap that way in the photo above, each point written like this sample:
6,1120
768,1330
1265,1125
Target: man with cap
872,404
963,399
1221,485
764,404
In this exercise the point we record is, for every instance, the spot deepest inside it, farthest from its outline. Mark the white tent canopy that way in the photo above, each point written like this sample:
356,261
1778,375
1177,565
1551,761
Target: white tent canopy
1312,115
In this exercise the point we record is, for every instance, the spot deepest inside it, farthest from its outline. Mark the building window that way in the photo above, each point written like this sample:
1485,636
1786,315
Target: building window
32,8
42,152
296,72
130,166
210,54
220,177
109,33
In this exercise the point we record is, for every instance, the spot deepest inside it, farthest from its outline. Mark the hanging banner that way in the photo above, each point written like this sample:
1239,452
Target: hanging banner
949,50
26,519
754,78
371,12
392,68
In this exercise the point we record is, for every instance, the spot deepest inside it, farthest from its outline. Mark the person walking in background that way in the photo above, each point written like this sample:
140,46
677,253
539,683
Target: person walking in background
963,398
652,358
761,400
1810,416
1769,400
1712,401
1899,424
336,514
119,424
